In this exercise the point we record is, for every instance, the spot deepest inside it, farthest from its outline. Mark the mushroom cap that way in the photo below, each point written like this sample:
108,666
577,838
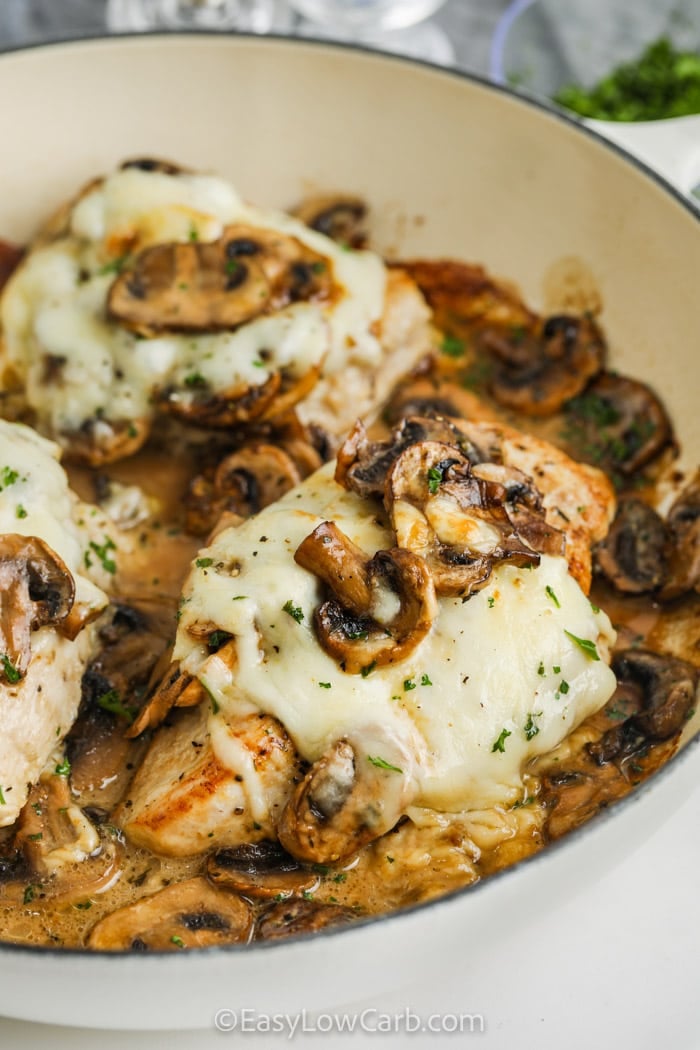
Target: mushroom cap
298,916
683,523
36,589
262,870
340,216
633,554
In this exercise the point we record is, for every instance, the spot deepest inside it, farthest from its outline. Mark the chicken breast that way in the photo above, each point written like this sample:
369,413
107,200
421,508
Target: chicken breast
160,293
415,629
56,557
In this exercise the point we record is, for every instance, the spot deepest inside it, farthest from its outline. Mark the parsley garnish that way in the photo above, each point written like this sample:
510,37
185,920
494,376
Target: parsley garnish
550,594
540,670
84,905
564,687
20,512
216,639
434,479
594,608
113,703
585,645
29,894
492,602
114,265
12,674
177,940
340,877
530,728
101,549
381,763
324,685
195,380
8,477
63,769
425,680
452,346
204,563
293,610
2,798
500,744
408,685
366,671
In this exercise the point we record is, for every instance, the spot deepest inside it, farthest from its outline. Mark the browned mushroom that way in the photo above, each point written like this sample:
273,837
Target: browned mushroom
456,521
175,689
261,870
683,523
101,441
36,589
540,370
217,285
382,607
661,691
363,465
618,423
633,554
341,217
299,916
353,794
165,167
189,914
10,258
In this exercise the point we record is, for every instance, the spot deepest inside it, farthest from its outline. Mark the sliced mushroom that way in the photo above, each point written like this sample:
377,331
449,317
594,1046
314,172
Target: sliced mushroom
189,914
261,870
10,258
540,370
36,590
457,522
296,917
165,167
633,554
101,441
363,465
619,424
382,607
353,794
175,689
244,483
683,523
662,689
341,217
216,285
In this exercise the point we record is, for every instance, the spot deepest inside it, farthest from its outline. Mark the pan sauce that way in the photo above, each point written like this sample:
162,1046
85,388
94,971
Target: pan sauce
431,853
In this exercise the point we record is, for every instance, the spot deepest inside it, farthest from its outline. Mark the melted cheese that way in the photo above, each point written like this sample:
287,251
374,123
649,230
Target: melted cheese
55,306
496,681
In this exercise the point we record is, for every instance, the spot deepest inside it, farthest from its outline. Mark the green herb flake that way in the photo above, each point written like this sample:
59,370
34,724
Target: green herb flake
204,563
232,266
425,680
8,477
452,346
556,668
500,744
341,876
114,265
36,838
84,905
195,381
381,763
408,685
585,645
20,511
29,894
594,608
113,703
102,552
12,674
216,639
193,235
540,670
367,671
564,688
2,798
177,941
492,602
531,729
324,685
63,768
307,895
552,596
293,610
434,479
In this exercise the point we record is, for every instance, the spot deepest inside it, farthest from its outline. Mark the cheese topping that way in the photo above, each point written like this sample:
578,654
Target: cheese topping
53,309
499,679
35,500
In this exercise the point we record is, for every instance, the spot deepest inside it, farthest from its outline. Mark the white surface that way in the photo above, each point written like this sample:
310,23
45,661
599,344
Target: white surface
615,967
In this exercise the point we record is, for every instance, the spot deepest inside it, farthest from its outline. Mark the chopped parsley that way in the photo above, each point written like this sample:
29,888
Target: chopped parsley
594,608
12,674
492,602
84,905
307,895
194,233
2,798
564,688
232,265
101,550
408,685
452,346
500,744
324,685
552,596
216,639
340,877
425,680
293,610
367,671
29,893
434,479
114,265
381,763
204,563
177,941
8,477
530,728
20,511
585,645
113,703
195,380
63,768
540,670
